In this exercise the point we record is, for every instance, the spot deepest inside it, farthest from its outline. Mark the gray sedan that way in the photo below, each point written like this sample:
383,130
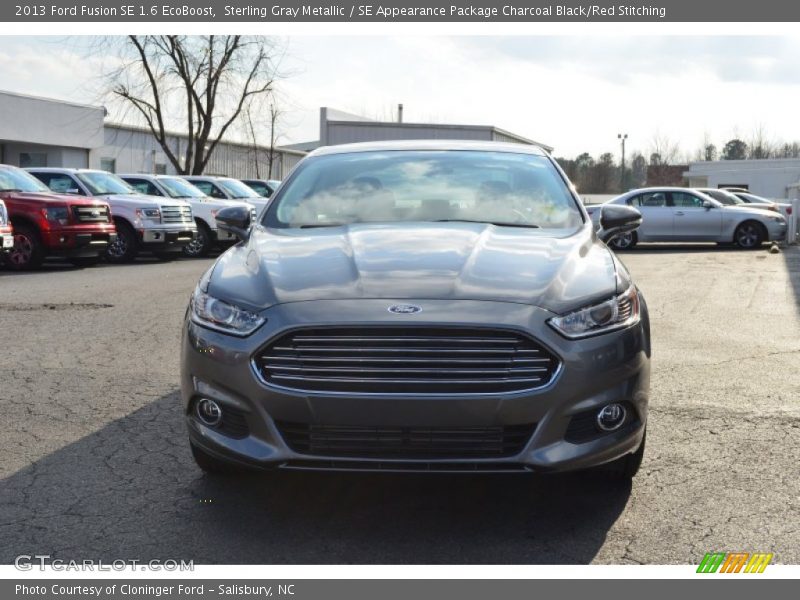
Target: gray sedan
432,306
674,214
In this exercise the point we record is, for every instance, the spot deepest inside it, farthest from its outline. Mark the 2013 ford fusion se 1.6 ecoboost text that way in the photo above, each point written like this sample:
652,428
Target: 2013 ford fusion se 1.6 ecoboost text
419,306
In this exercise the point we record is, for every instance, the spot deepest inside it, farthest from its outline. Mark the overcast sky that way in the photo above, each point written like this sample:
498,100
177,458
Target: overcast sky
575,93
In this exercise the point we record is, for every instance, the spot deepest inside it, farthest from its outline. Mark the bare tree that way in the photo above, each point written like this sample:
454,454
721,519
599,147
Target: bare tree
273,115
663,151
760,146
204,81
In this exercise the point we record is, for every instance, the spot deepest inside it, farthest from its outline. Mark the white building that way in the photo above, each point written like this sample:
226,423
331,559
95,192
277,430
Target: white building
42,132
770,178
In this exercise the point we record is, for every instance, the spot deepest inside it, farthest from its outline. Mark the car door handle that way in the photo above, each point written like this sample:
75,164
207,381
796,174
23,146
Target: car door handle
679,213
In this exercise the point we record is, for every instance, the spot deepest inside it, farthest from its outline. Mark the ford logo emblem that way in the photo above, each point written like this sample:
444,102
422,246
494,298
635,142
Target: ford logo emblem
404,309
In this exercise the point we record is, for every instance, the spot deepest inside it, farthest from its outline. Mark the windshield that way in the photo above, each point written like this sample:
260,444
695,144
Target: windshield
396,186
260,187
12,178
724,197
100,183
236,189
754,199
180,188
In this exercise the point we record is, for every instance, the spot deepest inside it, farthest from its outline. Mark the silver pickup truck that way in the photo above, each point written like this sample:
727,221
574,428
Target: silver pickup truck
144,223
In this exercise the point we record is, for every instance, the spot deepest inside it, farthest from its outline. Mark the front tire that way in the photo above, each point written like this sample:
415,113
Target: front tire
125,248
28,252
624,241
201,245
749,235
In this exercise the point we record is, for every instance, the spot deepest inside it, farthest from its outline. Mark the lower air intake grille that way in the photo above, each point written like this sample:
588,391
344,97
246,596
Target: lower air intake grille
415,443
413,360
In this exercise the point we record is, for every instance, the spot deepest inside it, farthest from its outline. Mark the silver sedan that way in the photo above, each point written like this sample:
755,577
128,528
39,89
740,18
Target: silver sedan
673,214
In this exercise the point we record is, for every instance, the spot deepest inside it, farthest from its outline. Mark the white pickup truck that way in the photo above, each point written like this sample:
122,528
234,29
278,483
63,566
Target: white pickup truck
143,223
227,188
204,208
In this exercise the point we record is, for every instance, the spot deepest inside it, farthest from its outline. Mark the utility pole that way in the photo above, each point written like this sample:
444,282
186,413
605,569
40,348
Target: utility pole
622,137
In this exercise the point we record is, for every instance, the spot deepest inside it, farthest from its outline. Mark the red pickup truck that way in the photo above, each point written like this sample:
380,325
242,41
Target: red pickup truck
47,224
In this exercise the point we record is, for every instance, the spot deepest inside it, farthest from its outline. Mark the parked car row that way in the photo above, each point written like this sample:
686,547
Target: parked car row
675,214
84,215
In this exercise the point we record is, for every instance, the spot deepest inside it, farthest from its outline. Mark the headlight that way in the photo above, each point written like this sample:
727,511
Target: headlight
151,214
3,215
615,313
57,214
216,314
776,218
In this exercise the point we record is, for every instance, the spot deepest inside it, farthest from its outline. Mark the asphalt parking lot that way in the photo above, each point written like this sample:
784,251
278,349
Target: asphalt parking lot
95,462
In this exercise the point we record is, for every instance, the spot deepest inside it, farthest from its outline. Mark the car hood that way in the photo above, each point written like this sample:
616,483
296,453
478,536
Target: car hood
469,261
142,200
48,198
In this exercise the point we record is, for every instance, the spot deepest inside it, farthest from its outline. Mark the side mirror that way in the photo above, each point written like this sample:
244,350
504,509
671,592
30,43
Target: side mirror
708,204
236,220
616,219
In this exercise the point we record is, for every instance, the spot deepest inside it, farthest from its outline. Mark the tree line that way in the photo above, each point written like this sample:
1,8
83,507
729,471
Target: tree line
603,175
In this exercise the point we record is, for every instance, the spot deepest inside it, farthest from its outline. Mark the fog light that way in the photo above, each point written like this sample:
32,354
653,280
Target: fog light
611,417
209,412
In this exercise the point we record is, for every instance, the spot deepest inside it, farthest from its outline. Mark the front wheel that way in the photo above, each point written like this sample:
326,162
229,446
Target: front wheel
749,235
200,246
28,251
125,248
624,241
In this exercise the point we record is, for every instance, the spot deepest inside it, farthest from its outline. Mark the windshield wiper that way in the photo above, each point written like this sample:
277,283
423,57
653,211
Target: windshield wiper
496,223
12,190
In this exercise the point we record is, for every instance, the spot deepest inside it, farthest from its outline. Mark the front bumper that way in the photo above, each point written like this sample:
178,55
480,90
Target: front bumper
6,238
167,239
613,367
224,237
777,231
78,242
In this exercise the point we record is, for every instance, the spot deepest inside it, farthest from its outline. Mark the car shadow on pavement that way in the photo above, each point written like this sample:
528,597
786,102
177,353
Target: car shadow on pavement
131,491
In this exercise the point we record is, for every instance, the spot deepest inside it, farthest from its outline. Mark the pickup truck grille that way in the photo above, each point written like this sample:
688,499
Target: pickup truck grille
412,360
176,214
91,214
416,443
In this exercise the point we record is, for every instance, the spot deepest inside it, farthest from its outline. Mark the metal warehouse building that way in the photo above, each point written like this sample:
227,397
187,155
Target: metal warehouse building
339,127
778,179
42,132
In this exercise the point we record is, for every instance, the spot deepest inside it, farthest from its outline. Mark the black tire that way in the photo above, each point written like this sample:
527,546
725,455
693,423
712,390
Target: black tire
201,244
84,261
749,235
626,241
125,247
211,464
626,467
28,252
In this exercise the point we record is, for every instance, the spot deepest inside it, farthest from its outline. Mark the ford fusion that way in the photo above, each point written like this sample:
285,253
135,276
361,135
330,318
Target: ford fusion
419,306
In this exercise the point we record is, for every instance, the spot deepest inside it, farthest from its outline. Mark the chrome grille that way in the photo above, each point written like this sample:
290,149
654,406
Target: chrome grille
418,443
176,214
410,360
91,214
